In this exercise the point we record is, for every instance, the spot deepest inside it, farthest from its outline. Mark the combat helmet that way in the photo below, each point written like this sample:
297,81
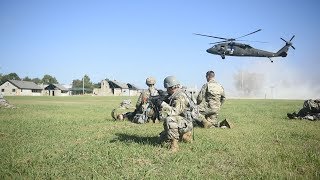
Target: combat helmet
170,81
150,81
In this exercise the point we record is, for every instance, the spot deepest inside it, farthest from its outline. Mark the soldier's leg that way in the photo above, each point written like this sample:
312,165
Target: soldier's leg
172,132
185,131
212,121
303,112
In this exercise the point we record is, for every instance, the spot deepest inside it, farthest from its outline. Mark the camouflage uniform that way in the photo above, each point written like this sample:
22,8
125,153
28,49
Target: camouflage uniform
152,91
176,124
310,111
144,109
123,111
209,100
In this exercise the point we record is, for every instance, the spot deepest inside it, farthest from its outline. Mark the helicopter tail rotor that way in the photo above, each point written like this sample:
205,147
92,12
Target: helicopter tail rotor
289,43
283,51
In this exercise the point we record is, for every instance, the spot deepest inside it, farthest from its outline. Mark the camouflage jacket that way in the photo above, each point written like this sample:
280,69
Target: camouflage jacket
178,104
152,91
212,94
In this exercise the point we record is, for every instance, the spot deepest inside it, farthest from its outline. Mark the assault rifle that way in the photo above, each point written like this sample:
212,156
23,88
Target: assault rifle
154,101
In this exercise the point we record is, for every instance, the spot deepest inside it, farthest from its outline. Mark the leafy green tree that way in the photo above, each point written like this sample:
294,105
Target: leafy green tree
78,84
26,79
36,80
47,79
11,76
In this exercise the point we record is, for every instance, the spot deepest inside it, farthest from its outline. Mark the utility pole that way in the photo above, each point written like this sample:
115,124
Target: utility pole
83,85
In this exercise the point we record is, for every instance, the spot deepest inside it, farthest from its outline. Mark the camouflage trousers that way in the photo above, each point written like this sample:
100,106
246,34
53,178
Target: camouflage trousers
209,114
115,113
175,127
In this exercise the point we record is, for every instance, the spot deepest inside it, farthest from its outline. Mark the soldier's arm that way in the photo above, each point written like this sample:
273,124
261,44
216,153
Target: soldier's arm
201,94
139,101
177,108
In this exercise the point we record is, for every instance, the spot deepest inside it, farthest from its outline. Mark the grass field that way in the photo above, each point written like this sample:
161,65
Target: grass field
75,137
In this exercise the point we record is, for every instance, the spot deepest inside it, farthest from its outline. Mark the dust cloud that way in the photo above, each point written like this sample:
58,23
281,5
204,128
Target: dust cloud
281,81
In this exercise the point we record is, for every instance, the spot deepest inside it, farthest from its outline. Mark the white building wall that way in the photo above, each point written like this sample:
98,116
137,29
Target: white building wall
9,89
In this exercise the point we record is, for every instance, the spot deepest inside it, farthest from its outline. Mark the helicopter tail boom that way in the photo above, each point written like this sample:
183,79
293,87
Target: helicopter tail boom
283,51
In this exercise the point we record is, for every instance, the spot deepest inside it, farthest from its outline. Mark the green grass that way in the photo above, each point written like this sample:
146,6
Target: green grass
75,137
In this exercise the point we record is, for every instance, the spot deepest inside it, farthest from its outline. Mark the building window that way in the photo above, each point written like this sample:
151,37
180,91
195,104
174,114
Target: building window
13,90
36,90
2,90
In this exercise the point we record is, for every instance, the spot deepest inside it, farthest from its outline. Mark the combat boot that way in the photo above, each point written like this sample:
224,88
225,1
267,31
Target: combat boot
206,124
174,147
224,124
120,117
292,116
187,137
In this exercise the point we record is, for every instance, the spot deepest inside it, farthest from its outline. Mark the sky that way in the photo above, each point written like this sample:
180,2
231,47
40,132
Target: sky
129,41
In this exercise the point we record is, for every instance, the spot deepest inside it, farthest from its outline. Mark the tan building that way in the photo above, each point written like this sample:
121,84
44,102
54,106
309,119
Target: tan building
133,90
104,90
20,88
57,90
116,88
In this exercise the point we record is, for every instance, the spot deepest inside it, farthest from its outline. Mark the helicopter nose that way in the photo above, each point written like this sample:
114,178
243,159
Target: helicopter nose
209,50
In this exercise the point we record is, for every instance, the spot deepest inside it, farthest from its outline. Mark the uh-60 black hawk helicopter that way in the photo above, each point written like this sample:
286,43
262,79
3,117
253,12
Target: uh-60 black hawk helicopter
228,47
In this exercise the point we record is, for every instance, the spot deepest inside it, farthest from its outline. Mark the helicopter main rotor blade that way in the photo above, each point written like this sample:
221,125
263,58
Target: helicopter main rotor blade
219,42
248,34
251,41
292,38
293,47
283,40
210,36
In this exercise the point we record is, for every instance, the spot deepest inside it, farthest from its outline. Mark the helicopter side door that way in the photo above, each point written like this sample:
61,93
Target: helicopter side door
230,49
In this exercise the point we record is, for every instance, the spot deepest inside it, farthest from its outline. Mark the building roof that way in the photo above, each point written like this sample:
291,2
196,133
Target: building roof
116,84
24,84
132,86
57,86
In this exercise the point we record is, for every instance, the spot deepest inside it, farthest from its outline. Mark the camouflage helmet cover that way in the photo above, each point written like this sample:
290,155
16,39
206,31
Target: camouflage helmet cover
150,81
170,81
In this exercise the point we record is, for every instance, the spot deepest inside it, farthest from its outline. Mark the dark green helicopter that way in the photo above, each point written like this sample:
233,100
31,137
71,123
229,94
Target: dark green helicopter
228,47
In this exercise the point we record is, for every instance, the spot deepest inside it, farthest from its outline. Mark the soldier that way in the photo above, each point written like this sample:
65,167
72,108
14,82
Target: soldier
310,111
209,100
144,109
124,111
177,125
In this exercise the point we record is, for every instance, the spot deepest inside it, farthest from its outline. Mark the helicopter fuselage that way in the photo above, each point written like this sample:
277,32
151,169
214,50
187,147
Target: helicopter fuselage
238,49
229,47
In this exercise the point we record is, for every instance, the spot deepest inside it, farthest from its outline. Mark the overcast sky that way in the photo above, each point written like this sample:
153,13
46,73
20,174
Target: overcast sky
131,40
